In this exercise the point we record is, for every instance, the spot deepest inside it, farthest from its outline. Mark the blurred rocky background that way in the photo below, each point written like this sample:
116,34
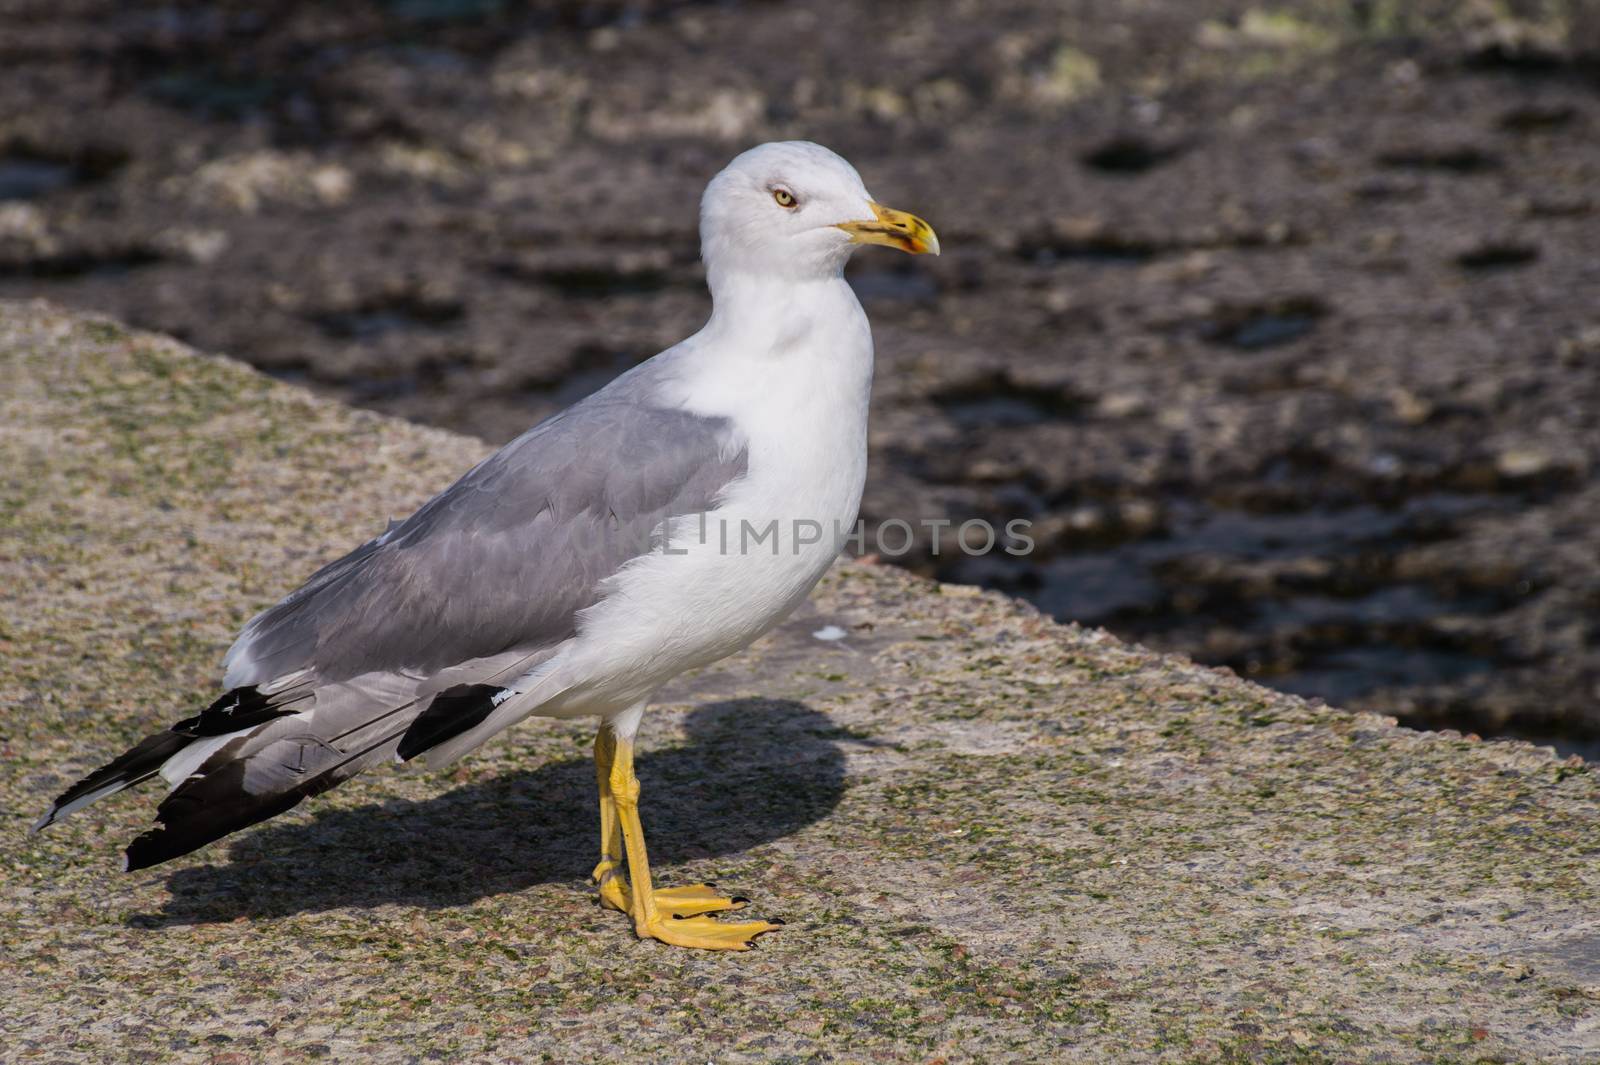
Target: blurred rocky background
1281,322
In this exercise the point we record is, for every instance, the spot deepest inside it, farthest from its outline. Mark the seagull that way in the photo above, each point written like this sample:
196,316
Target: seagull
662,523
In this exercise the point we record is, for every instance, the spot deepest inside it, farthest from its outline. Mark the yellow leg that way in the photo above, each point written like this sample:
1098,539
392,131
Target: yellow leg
608,874
672,915
608,877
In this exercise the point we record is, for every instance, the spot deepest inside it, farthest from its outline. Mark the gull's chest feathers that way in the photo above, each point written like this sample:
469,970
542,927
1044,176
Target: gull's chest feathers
795,387
795,383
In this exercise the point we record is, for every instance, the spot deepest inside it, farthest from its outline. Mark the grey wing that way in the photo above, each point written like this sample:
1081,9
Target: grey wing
504,559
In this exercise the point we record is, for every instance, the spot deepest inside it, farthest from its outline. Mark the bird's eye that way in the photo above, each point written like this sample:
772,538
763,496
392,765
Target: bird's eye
784,197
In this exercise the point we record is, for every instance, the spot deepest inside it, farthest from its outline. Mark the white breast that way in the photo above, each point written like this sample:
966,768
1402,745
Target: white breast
796,387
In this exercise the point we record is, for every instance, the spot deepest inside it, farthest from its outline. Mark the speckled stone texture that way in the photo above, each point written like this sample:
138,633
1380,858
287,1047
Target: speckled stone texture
994,838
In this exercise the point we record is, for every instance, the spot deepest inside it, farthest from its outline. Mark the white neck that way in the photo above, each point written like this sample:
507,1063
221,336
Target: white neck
776,344
766,315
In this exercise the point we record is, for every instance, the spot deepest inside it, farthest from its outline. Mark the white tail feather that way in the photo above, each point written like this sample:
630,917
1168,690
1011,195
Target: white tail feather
182,765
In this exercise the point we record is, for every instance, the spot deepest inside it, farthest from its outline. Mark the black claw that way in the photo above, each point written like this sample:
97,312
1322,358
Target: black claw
738,898
711,883
776,921
677,917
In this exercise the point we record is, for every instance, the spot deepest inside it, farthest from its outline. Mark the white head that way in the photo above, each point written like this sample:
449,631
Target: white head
794,210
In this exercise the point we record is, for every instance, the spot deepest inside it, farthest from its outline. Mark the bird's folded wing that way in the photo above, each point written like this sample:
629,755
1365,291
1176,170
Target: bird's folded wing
504,559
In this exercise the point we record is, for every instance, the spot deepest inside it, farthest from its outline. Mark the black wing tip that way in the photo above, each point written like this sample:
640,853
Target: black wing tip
139,855
149,849
234,710
137,763
240,708
204,810
452,712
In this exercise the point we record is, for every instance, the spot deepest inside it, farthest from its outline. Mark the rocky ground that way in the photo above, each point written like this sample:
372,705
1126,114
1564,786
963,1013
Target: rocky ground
995,838
1279,321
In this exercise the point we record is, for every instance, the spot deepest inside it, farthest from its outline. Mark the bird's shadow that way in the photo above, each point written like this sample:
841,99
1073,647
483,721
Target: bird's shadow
752,771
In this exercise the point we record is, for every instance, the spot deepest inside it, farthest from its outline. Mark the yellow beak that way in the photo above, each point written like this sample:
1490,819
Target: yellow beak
894,229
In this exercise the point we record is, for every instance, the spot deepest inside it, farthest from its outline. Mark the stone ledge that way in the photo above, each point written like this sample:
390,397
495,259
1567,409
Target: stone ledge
993,837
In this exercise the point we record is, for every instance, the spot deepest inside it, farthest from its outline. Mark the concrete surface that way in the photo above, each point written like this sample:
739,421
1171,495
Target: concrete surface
994,837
